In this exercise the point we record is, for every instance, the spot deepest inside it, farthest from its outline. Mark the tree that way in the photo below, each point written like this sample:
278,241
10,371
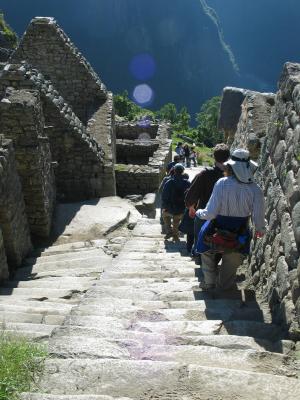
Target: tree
182,123
168,112
207,128
124,106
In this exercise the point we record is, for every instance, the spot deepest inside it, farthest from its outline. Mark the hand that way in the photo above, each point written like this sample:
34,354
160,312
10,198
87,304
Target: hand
192,212
259,234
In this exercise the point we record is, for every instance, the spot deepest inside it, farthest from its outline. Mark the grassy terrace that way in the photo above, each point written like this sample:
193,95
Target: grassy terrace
204,153
21,363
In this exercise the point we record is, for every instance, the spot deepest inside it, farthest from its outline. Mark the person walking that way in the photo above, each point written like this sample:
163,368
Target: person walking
173,202
202,185
187,153
193,156
180,151
225,235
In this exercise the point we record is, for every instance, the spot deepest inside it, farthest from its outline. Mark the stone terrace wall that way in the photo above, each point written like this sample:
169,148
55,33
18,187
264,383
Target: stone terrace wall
134,131
274,266
143,179
13,220
79,157
254,122
46,47
102,128
22,120
3,261
135,151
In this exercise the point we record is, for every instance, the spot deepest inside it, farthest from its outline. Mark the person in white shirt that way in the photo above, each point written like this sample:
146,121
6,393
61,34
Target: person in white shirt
235,198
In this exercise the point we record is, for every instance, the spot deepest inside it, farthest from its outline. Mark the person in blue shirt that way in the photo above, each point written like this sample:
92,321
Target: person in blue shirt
173,202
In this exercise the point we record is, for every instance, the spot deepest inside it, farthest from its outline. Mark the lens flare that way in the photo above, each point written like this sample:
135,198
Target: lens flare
142,67
143,94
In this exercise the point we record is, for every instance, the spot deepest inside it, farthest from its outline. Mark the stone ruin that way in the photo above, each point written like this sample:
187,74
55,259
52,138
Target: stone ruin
269,125
59,141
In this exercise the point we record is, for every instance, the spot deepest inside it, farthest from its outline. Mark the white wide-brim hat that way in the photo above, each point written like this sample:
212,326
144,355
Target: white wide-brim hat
242,166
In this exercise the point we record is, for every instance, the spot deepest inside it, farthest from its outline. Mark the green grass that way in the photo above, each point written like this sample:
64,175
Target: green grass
21,363
205,156
9,34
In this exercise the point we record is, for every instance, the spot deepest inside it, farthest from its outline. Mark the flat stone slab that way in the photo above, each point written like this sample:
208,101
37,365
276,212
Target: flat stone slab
88,220
40,396
145,379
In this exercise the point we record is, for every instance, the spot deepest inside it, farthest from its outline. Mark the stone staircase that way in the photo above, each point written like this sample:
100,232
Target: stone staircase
48,286
145,330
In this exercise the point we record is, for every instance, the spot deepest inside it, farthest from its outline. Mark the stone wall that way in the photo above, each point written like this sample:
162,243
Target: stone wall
134,131
274,268
79,157
46,47
135,151
13,219
101,127
22,120
142,179
254,122
3,261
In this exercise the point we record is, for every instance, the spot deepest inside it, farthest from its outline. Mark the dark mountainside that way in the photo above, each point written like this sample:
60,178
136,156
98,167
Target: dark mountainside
263,34
191,63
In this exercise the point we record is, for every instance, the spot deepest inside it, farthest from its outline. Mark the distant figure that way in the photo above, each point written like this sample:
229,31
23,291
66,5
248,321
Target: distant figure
173,202
180,151
187,153
193,156
226,235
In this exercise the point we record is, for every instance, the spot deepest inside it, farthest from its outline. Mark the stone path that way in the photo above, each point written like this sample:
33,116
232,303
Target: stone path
145,330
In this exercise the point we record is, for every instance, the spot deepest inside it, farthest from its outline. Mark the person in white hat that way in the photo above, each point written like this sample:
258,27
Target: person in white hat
235,198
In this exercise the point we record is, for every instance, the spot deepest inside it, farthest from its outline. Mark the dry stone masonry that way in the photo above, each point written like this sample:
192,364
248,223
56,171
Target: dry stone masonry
47,48
13,219
275,124
22,121
142,156
61,121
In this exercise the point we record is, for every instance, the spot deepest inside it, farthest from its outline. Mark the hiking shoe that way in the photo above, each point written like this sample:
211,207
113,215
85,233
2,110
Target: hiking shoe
168,235
176,239
207,286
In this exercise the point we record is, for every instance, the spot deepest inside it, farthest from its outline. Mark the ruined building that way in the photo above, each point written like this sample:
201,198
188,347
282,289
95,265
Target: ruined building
60,142
269,126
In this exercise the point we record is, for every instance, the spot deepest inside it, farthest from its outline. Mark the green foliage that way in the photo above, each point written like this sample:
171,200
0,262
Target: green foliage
207,120
183,119
9,34
127,109
21,362
168,112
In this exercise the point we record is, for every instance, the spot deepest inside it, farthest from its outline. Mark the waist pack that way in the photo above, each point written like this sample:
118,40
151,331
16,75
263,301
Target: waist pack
222,241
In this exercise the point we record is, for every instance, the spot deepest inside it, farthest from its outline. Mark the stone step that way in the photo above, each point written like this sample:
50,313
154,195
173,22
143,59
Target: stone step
243,360
25,299
135,313
253,328
65,256
34,335
40,396
70,247
39,292
78,262
15,317
26,273
72,283
16,304
147,338
127,292
160,274
187,328
168,284
168,380
27,327
239,359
